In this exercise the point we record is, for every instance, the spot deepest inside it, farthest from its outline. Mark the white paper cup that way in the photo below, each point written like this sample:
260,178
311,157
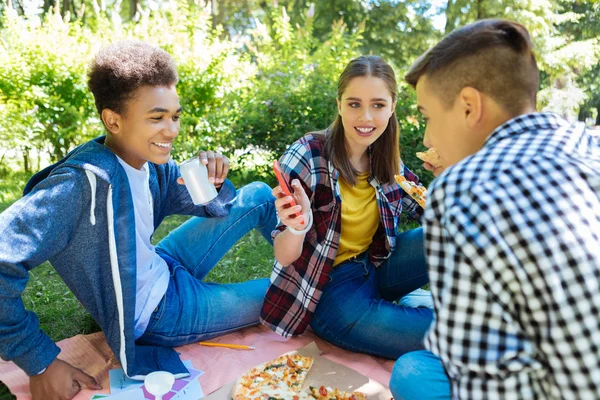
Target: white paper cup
159,383
195,175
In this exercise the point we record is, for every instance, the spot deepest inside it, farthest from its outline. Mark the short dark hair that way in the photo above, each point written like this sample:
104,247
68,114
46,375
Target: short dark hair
120,68
386,149
493,56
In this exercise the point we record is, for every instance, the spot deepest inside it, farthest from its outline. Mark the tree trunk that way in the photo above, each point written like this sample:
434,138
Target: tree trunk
214,13
479,9
26,165
449,25
133,5
64,7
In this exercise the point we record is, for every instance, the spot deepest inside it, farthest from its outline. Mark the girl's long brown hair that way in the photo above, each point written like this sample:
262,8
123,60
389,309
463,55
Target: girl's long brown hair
385,151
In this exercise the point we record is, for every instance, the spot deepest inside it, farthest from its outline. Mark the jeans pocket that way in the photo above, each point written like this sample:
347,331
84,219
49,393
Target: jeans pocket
159,311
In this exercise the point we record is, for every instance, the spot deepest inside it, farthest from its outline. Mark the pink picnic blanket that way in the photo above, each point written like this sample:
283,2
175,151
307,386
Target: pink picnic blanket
220,365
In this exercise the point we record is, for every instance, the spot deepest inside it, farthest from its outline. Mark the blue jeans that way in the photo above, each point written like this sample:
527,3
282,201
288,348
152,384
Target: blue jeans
193,310
419,375
356,311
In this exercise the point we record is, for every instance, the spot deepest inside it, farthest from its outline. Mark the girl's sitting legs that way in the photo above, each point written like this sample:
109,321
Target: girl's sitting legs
353,312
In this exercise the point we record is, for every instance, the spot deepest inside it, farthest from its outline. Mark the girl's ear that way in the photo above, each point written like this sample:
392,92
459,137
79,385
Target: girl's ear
339,106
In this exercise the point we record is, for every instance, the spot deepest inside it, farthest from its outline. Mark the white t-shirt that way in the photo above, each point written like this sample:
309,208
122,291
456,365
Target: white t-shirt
152,271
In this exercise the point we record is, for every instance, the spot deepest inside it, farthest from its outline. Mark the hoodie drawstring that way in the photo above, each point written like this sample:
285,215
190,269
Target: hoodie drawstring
92,178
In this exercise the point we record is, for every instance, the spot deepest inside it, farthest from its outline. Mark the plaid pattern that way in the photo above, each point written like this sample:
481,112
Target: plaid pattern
513,246
296,289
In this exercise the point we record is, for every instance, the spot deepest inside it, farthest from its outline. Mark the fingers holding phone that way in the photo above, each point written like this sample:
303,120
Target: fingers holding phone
292,204
292,209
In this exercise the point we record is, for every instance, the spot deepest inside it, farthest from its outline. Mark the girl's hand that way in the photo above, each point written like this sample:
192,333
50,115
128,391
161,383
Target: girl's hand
291,216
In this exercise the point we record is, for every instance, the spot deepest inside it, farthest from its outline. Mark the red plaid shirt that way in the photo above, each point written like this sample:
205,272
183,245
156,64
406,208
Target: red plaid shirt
296,289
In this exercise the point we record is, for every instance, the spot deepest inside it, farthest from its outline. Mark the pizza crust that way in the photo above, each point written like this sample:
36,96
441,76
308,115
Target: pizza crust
431,156
418,193
327,393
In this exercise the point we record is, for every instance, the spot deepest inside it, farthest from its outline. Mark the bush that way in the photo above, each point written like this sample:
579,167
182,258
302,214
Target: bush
248,98
46,103
294,89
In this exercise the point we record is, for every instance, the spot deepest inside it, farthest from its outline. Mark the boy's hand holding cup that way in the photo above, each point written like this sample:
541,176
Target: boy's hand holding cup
203,175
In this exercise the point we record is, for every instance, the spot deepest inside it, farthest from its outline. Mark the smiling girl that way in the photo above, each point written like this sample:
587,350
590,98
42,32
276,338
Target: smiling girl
341,270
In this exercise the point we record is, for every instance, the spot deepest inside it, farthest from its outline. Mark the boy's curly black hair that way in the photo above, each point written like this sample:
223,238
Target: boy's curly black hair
120,68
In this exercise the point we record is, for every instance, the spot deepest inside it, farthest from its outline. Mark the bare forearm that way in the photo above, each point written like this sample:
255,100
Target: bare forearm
288,247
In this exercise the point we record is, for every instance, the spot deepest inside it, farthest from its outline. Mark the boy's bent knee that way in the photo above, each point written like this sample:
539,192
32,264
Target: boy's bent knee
259,192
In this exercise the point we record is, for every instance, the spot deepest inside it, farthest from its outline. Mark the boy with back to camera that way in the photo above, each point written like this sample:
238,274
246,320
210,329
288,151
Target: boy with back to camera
92,215
512,230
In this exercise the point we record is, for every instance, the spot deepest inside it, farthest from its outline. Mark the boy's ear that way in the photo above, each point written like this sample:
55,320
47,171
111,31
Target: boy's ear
111,120
471,103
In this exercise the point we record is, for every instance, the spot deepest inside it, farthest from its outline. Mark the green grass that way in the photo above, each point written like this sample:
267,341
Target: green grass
249,258
5,394
11,187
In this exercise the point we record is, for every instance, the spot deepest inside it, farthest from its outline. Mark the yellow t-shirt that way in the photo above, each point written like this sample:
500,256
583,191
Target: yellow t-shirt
360,218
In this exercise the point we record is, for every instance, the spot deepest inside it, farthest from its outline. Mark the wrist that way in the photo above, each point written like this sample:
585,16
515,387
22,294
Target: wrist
309,222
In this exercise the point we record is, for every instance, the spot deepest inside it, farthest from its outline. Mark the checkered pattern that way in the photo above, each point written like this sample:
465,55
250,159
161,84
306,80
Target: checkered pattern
296,289
513,247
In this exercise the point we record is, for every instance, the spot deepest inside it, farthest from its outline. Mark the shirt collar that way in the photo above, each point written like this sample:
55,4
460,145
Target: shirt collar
523,123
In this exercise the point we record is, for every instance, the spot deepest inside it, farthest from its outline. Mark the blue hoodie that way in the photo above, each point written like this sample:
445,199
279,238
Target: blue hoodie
78,214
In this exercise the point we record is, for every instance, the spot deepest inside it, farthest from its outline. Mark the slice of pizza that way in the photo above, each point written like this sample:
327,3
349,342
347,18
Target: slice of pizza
430,156
419,193
327,393
281,378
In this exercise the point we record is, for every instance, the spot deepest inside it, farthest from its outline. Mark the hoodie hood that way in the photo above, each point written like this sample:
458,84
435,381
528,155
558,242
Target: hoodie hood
92,156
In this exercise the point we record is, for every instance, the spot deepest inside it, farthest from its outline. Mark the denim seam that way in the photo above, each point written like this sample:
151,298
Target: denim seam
345,344
403,282
171,337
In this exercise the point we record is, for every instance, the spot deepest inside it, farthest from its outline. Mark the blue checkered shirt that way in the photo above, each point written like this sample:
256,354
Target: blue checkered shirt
513,246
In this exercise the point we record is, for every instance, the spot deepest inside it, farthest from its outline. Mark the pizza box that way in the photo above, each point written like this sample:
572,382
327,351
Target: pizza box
327,373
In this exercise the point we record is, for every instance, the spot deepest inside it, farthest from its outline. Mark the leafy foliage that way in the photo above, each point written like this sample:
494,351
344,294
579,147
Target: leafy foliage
294,89
263,78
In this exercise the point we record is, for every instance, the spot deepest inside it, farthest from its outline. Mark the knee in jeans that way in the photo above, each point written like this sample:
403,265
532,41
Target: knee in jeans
407,381
260,192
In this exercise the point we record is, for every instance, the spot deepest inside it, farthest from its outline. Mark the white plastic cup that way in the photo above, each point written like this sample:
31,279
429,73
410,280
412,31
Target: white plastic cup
195,175
159,383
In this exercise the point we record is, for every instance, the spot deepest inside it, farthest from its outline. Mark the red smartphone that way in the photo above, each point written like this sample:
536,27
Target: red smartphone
287,190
